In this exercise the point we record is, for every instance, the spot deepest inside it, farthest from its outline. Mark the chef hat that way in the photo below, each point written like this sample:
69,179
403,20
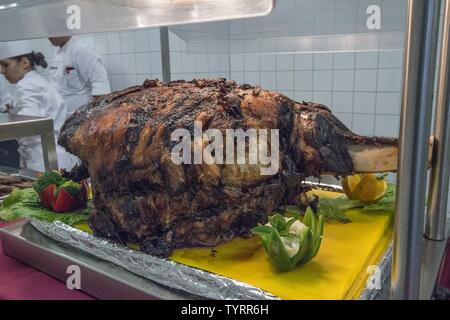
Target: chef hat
14,49
55,26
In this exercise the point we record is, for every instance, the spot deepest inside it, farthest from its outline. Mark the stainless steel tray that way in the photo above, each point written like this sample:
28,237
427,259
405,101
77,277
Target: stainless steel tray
103,279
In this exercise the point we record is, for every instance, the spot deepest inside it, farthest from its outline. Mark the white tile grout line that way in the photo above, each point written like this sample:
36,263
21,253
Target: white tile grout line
376,92
294,83
229,53
354,85
332,74
312,78
312,55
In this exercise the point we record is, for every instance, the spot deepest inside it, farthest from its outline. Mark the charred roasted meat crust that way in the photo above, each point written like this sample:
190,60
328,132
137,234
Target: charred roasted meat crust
140,195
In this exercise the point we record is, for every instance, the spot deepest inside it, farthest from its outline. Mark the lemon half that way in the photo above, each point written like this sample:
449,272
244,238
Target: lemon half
364,187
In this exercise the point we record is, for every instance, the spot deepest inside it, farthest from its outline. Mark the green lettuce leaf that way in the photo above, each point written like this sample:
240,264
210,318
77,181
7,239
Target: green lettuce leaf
18,195
335,208
25,203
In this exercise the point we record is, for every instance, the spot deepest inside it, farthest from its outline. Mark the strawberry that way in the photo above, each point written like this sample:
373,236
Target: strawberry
47,196
65,202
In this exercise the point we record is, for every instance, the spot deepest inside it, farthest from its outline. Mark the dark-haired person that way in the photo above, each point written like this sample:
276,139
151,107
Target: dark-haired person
33,96
77,73
8,149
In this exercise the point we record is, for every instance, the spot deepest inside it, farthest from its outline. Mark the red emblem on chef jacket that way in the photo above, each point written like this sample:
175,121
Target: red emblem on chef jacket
68,69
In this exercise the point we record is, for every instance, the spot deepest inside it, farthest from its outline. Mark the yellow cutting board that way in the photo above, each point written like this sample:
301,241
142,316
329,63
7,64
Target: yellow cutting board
339,271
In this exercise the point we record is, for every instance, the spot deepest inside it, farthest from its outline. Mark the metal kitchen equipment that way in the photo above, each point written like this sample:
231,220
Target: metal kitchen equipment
17,126
439,183
421,21
44,18
417,105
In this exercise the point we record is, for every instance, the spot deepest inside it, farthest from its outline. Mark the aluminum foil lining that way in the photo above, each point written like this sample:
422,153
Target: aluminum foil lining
178,276
165,272
378,277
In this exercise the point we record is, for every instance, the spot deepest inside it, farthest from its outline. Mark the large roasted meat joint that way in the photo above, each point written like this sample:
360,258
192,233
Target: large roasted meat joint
142,195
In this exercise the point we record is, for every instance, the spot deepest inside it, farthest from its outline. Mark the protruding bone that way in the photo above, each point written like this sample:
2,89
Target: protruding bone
378,158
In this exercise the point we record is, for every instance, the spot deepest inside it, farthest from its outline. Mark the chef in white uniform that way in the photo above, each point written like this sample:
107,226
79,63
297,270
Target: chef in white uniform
33,96
5,96
77,73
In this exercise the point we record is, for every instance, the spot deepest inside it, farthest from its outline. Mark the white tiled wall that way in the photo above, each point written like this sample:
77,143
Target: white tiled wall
189,66
130,57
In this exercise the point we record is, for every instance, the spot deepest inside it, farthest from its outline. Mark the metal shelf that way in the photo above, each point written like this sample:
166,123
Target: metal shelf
17,126
45,18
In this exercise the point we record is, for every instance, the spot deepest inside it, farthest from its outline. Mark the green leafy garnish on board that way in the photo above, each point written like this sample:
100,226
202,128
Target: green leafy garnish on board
335,208
72,187
25,203
289,242
50,177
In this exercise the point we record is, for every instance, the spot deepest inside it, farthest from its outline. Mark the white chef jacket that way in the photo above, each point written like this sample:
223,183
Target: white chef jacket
5,96
78,74
34,96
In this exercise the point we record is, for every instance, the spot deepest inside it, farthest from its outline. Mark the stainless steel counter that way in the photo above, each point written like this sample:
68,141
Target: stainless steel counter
17,127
